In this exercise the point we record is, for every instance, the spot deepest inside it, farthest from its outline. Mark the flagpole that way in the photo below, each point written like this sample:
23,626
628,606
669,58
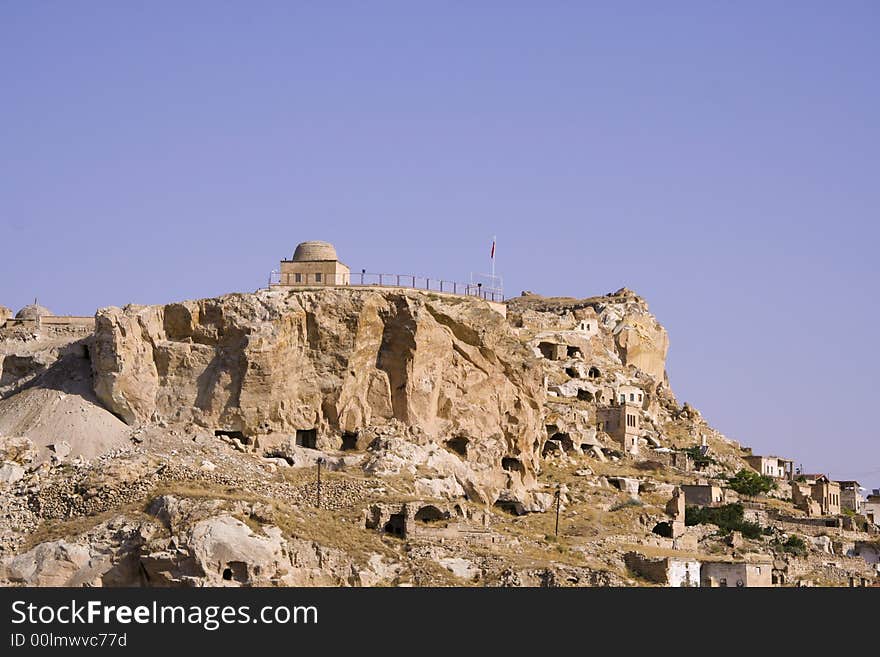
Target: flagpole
493,259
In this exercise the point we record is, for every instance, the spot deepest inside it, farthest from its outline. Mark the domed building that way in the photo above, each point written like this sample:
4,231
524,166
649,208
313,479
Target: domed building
314,263
33,312
38,319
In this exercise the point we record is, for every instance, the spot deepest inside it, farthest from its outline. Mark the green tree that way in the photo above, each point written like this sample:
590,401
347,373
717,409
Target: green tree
794,545
728,518
752,484
700,460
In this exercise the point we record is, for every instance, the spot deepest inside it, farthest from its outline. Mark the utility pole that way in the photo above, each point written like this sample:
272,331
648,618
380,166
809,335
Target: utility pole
558,496
320,461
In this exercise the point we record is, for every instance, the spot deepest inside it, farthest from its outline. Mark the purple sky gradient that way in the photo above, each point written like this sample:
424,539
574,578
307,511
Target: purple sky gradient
721,159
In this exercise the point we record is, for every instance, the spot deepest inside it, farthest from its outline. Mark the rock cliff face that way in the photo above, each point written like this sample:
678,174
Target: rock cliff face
639,338
444,432
336,360
636,337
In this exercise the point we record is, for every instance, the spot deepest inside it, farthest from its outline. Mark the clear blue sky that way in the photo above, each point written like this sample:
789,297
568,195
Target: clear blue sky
720,158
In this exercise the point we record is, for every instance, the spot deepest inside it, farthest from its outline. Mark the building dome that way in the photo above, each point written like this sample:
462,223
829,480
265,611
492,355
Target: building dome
314,251
32,311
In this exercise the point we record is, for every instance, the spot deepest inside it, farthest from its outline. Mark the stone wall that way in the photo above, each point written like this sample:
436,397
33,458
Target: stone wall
332,273
736,574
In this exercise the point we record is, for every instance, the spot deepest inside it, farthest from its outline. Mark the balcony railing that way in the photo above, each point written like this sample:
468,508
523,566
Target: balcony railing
368,279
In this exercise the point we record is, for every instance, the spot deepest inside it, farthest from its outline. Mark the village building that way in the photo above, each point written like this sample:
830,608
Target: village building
741,574
621,422
681,571
869,551
314,263
38,319
851,498
587,322
553,350
772,466
590,327
816,494
668,571
702,494
675,509
630,394
872,507
673,458
418,519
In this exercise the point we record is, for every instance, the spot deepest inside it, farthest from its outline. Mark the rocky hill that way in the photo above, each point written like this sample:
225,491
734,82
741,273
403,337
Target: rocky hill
181,445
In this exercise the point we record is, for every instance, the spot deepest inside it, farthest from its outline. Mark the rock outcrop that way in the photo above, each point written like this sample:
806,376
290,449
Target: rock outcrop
339,360
637,338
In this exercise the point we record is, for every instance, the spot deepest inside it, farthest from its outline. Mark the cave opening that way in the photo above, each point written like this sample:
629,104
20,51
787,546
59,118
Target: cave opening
512,464
459,445
349,440
429,514
396,525
307,438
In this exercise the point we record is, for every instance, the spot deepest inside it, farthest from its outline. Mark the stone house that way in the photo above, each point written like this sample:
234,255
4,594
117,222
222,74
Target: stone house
587,321
314,263
851,496
621,422
872,507
552,350
772,466
869,551
743,574
408,519
816,494
627,394
675,572
702,494
590,327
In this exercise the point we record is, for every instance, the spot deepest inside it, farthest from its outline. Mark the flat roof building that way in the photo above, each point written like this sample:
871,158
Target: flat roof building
772,466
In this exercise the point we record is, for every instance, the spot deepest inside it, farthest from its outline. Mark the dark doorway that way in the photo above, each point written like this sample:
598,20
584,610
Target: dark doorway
459,445
663,529
232,434
594,373
564,440
430,513
349,440
235,571
512,464
396,525
512,507
307,438
551,447
547,350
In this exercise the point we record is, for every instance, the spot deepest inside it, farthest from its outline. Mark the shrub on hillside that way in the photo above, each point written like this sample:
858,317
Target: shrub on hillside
728,518
752,484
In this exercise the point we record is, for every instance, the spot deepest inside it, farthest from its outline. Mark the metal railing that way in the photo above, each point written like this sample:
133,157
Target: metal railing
369,279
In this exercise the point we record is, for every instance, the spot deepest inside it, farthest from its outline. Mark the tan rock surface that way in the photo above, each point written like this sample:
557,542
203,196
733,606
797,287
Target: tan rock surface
334,360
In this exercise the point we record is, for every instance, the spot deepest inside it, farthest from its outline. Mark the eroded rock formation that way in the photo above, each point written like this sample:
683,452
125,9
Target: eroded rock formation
336,360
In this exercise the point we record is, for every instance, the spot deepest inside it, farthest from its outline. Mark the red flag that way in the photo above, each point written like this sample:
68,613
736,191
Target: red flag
493,250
